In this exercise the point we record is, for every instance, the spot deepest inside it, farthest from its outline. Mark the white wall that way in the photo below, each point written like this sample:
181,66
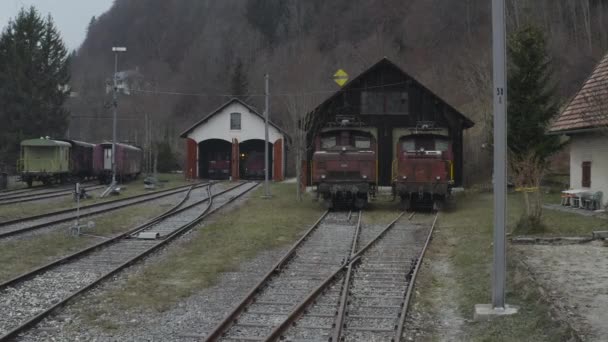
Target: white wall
218,127
592,148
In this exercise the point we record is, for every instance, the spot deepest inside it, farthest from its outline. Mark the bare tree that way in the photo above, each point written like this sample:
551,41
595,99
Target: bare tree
529,171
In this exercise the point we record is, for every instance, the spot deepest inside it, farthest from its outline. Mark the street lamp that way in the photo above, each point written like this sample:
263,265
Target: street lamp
116,50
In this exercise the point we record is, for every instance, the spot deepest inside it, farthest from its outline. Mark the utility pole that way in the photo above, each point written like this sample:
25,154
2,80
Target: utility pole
499,276
266,156
116,50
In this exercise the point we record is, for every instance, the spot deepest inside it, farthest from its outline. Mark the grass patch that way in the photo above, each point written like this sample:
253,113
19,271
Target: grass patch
19,256
463,242
219,247
21,210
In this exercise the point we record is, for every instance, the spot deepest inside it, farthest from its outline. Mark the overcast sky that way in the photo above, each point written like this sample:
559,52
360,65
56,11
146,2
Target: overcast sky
71,16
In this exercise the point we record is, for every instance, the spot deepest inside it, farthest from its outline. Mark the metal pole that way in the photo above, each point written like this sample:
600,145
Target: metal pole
266,156
500,153
115,105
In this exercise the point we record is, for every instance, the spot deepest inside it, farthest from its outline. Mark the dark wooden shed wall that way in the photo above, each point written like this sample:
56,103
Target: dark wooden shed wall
423,105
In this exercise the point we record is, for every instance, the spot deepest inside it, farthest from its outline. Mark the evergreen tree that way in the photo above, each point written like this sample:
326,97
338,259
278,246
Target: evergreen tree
532,104
532,99
34,76
239,83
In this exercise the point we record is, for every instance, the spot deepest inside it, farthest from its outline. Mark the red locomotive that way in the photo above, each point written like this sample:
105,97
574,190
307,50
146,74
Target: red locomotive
219,165
344,166
253,165
423,173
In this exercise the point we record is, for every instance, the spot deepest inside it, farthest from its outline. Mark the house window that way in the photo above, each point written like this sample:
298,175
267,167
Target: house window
586,183
235,121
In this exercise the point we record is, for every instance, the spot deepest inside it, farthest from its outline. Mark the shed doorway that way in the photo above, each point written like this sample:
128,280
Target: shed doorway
214,159
251,165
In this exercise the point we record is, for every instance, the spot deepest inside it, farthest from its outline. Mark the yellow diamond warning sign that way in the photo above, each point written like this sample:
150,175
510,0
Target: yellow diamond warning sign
341,77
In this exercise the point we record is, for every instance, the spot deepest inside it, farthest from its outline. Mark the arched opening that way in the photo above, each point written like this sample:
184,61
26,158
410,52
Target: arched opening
214,159
252,159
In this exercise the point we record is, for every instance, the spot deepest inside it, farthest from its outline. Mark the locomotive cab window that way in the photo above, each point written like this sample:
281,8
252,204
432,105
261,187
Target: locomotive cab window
408,145
441,145
361,141
235,121
328,142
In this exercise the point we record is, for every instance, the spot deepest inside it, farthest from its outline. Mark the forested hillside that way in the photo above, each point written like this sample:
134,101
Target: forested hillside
193,53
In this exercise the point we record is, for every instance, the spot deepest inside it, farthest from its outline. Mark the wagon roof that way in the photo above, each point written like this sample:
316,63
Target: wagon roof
78,142
44,142
109,143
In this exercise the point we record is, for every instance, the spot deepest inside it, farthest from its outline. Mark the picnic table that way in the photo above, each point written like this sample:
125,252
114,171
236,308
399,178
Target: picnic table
574,197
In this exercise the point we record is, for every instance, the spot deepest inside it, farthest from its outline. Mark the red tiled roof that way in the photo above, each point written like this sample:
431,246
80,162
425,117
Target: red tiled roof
589,107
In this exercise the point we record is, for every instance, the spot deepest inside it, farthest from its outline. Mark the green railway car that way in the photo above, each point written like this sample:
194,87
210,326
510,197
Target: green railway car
44,160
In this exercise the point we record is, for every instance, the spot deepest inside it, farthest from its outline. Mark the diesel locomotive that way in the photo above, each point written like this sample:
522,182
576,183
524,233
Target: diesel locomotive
344,166
423,171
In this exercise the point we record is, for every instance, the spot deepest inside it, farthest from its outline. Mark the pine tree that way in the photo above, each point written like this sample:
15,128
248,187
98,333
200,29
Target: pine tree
532,104
34,77
532,98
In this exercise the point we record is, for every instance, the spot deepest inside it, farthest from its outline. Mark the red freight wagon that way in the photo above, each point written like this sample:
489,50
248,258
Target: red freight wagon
128,162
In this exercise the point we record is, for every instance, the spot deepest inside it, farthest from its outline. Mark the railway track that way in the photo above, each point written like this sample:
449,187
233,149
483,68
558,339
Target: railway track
20,226
38,190
363,299
371,298
28,197
29,298
323,248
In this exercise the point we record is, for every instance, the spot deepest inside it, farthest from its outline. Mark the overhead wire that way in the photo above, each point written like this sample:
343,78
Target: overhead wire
327,91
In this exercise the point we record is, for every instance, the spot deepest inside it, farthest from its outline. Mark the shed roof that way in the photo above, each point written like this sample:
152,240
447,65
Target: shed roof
468,123
222,107
588,109
44,142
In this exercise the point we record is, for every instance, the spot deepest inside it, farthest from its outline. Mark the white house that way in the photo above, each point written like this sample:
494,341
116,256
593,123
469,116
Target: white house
233,136
585,120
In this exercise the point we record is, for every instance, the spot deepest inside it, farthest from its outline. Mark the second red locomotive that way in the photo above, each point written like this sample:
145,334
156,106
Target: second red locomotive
423,172
344,166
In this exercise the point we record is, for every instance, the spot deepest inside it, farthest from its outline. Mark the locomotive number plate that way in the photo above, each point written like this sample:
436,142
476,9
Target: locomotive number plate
343,165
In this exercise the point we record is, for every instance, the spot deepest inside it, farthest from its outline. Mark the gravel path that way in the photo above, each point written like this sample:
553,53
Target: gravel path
576,279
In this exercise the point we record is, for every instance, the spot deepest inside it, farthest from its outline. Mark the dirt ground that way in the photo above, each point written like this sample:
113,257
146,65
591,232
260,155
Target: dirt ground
575,279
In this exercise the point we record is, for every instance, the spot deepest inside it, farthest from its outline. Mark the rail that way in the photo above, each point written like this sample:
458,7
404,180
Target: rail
138,200
178,232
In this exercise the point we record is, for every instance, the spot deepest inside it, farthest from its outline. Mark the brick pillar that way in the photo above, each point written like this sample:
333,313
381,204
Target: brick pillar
277,163
234,163
191,159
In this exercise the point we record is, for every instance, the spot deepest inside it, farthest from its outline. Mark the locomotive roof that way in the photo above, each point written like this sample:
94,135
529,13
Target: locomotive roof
44,142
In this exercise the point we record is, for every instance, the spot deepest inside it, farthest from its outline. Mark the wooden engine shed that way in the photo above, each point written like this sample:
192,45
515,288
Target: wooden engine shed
233,135
388,101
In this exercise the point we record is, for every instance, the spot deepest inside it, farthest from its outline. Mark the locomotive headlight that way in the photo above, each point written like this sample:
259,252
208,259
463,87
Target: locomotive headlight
404,177
438,178
364,176
322,176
